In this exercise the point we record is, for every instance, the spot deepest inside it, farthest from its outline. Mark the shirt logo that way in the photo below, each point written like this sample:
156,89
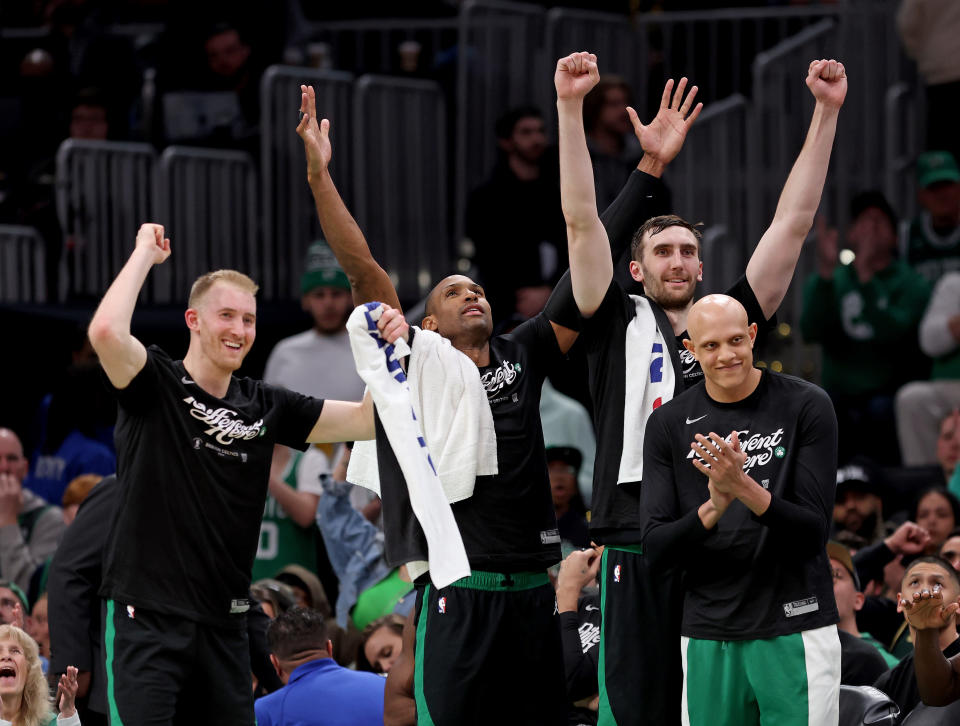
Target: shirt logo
801,607
131,612
694,420
779,452
187,381
442,605
759,448
550,536
589,635
225,425
616,573
504,375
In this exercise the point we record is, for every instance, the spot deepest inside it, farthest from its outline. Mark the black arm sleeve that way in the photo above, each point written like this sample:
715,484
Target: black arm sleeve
804,520
580,669
871,560
642,197
669,535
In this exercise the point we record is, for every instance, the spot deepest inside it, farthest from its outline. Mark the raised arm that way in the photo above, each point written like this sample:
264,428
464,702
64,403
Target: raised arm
368,280
773,261
121,355
938,678
591,268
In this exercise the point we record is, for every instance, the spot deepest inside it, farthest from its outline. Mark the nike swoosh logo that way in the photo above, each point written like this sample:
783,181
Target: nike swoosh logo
694,420
588,608
187,380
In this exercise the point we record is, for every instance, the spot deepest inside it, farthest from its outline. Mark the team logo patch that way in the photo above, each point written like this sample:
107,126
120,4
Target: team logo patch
616,573
779,452
442,605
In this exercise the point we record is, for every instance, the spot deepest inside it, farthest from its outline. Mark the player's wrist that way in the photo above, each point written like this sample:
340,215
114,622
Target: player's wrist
651,165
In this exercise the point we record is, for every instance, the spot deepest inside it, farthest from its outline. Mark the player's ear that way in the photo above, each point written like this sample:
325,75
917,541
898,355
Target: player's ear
688,344
430,323
752,332
700,272
636,272
192,316
899,600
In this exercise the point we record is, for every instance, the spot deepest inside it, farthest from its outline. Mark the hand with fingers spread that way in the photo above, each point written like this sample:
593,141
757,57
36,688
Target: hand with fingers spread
150,238
927,609
392,325
576,74
726,461
315,134
827,81
67,692
663,137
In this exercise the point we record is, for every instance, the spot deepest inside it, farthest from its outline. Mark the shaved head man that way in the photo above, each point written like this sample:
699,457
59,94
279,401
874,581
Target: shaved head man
739,478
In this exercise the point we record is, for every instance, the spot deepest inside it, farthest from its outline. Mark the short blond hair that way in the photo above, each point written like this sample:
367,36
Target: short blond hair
232,277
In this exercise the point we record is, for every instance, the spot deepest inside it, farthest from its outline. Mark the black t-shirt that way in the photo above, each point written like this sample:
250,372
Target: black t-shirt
615,511
860,662
749,577
508,524
193,471
900,682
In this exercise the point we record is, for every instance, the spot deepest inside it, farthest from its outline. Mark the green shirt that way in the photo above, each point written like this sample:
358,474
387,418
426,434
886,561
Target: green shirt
887,656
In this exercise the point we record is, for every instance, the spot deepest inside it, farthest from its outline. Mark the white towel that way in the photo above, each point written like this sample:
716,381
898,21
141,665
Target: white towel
650,380
378,364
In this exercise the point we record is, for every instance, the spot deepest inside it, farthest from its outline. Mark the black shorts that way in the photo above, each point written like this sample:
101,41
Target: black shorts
641,674
488,652
164,669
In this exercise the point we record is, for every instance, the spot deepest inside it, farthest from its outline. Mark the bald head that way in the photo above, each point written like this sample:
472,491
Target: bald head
12,460
712,311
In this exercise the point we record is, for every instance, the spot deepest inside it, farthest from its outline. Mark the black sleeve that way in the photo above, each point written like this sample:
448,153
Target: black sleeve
537,335
642,197
742,292
141,393
580,669
804,520
669,535
871,560
74,581
260,665
299,416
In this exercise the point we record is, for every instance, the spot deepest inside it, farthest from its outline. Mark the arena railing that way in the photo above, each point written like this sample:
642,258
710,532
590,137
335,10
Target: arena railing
400,180
289,222
22,265
904,115
209,205
104,190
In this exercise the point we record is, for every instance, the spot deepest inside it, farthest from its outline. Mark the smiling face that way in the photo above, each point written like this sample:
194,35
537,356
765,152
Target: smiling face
721,340
382,648
458,310
223,324
668,264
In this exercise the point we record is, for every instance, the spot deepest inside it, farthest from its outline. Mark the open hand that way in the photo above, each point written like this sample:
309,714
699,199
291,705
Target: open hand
827,81
726,461
576,74
150,237
315,134
68,692
663,137
927,609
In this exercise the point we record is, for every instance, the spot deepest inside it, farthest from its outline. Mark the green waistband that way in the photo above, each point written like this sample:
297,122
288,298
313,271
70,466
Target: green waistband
502,581
636,549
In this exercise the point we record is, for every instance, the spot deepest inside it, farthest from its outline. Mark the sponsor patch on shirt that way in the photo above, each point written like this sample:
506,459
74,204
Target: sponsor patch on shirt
239,605
550,536
801,607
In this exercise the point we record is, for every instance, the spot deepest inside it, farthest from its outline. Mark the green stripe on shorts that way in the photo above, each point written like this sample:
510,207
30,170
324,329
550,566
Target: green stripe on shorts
604,712
109,636
423,713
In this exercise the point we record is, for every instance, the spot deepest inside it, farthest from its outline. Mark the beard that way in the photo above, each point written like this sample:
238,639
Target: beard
668,299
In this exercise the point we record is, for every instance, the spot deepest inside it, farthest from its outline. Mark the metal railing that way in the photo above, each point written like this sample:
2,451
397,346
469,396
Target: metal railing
22,265
105,190
209,206
290,221
400,184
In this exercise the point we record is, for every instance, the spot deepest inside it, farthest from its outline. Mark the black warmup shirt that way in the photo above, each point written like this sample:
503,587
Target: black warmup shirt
615,508
508,524
900,682
194,472
749,577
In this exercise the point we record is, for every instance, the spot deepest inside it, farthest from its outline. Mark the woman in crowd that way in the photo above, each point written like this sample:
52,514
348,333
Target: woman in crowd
23,689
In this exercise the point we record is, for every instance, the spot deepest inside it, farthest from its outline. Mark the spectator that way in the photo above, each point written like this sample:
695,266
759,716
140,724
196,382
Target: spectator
922,405
77,490
862,658
938,512
567,423
578,603
39,627
563,465
950,551
90,116
274,596
381,643
316,690
933,238
614,150
13,604
925,574
865,315
26,701
929,31
29,527
858,508
518,263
